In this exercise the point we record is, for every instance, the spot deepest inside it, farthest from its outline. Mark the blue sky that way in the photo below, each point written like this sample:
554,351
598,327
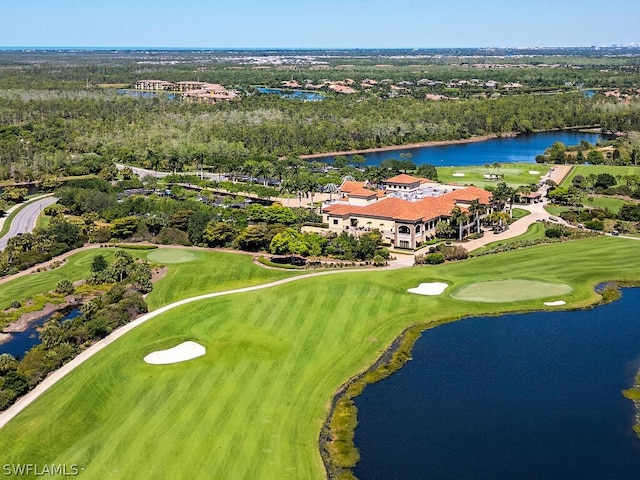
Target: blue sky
325,24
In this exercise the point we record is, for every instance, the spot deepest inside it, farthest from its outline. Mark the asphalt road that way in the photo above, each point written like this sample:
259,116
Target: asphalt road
143,172
25,220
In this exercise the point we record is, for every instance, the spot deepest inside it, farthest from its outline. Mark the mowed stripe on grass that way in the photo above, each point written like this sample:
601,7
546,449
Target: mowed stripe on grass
253,406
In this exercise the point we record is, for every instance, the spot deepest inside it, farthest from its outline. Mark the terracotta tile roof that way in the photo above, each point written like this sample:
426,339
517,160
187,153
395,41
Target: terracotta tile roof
362,192
469,194
350,185
394,208
397,209
403,178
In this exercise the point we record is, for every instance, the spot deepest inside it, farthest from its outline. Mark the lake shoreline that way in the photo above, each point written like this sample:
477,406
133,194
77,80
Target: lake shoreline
430,143
441,143
392,359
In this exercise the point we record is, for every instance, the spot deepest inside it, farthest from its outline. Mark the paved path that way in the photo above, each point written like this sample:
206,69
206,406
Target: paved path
25,219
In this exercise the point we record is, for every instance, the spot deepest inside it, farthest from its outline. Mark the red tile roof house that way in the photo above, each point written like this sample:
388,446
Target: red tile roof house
406,212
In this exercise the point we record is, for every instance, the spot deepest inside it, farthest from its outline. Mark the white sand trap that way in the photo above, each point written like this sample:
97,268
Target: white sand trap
557,303
180,353
433,288
457,174
534,172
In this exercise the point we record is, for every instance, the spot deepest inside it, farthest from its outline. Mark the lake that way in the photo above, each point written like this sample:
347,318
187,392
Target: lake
519,149
144,94
528,396
292,94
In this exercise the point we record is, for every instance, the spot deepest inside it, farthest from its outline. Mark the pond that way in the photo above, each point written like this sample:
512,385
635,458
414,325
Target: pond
144,94
21,342
529,396
292,94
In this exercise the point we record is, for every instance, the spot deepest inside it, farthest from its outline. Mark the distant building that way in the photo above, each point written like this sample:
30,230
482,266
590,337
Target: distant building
154,85
190,90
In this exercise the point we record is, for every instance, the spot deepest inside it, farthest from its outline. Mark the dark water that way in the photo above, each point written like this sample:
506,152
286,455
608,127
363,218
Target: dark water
143,94
21,342
531,396
523,149
292,94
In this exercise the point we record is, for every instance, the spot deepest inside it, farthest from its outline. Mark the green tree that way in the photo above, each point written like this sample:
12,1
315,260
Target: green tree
219,234
99,263
595,157
288,241
476,209
459,218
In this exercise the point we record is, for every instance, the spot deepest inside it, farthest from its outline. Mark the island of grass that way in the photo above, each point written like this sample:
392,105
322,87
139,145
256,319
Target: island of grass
255,408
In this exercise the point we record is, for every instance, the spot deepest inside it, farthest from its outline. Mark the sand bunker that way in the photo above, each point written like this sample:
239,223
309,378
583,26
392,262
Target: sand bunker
433,288
556,303
534,172
180,353
457,174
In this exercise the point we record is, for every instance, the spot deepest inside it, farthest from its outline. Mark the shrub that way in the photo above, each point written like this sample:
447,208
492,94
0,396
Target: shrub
430,259
6,398
553,232
434,258
379,260
594,224
64,287
453,252
16,381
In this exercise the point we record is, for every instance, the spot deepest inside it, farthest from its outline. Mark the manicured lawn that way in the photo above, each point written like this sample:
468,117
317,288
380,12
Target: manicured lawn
518,213
613,204
76,267
499,291
514,174
534,232
556,209
586,170
205,272
253,406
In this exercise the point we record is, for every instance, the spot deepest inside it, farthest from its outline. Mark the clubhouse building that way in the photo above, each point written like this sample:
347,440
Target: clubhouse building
406,210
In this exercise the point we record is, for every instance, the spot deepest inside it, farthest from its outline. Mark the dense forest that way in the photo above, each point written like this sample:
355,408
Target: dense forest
61,113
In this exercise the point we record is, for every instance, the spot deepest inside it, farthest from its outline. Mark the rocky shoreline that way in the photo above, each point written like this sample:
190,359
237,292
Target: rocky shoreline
25,320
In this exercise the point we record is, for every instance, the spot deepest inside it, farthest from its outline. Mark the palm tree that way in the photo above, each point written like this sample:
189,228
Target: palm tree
263,170
476,209
459,218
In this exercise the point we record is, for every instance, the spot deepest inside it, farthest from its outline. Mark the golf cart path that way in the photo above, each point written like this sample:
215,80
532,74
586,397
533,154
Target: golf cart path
56,376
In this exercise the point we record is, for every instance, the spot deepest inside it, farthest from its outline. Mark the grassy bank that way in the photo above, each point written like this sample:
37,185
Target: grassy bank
254,405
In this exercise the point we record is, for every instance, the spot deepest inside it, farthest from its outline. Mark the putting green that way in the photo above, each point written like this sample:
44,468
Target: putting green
171,256
501,291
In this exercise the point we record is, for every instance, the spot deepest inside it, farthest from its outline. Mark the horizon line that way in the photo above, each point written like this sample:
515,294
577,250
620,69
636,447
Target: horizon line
185,48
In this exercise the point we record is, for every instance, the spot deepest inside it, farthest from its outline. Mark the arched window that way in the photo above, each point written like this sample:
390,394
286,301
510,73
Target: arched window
404,229
418,229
